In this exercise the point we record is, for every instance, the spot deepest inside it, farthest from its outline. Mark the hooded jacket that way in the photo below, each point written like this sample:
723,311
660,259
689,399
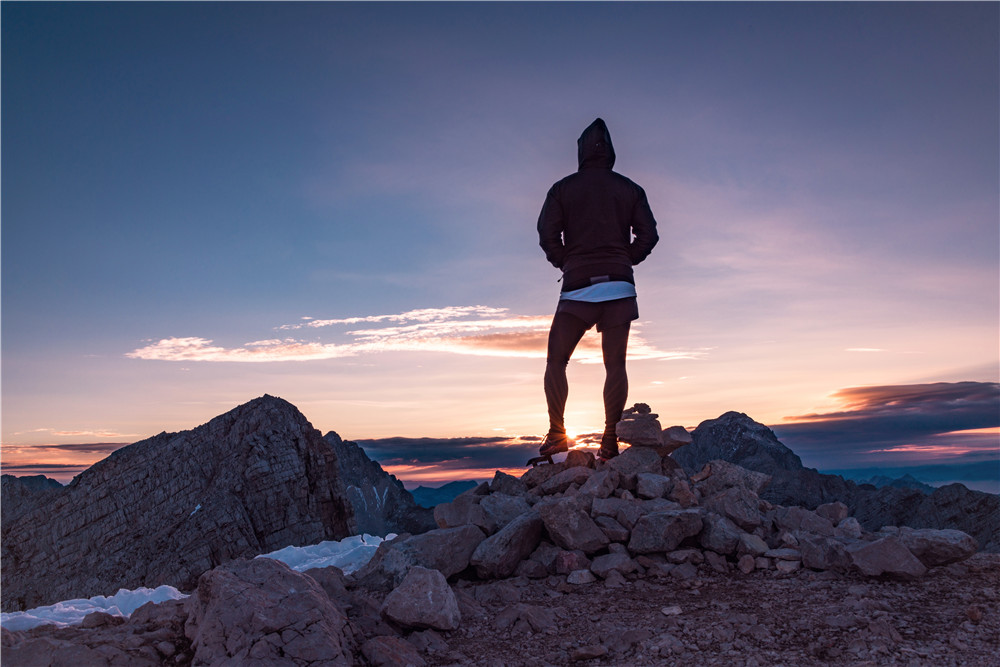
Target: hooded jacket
587,223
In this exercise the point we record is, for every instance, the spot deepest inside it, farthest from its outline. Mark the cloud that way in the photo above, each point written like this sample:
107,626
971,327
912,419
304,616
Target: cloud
469,330
100,433
900,423
86,448
450,454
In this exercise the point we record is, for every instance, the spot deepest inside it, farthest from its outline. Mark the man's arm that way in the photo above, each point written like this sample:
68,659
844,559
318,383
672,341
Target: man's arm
550,229
644,229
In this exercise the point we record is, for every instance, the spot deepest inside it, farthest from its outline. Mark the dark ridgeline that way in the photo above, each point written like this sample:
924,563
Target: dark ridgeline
381,504
736,438
167,509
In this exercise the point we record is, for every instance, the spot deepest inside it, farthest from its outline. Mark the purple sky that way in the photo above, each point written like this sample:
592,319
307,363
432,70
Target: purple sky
335,203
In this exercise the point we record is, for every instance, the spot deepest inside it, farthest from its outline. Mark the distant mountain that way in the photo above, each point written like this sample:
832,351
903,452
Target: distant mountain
21,494
904,482
167,509
381,504
736,438
430,496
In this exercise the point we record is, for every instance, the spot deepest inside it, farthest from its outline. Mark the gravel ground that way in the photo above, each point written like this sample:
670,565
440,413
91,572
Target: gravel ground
951,616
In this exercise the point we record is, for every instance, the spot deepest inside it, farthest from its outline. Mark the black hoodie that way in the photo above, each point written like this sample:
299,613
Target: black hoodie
589,218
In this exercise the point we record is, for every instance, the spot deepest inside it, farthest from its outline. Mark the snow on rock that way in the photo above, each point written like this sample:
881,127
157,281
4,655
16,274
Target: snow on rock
348,554
71,612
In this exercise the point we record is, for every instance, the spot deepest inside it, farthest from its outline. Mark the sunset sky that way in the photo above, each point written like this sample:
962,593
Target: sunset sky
335,203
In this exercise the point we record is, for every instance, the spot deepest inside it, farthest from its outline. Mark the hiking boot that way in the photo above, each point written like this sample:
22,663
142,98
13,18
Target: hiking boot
554,443
609,446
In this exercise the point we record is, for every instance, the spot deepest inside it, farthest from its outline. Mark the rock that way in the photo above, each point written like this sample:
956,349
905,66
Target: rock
784,554
539,474
563,480
885,556
254,480
423,600
682,493
718,475
580,457
639,428
751,544
664,531
569,561
834,512
571,528
465,510
523,618
675,437
787,566
601,484
604,565
849,528
823,553
262,611
498,556
746,564
387,651
504,483
652,485
632,461
447,550
938,547
738,504
578,577
614,530
501,508
798,518
717,562
381,504
589,652
719,534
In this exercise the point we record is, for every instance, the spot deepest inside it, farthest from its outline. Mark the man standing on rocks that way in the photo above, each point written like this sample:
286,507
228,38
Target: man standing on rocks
586,229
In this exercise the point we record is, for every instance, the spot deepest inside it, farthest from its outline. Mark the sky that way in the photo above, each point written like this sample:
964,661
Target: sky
335,203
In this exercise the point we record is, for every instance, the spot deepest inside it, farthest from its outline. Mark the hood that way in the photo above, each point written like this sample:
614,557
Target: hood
594,147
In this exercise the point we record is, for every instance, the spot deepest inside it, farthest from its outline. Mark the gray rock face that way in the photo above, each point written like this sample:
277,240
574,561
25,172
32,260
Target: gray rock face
22,494
167,509
736,438
423,600
381,504
261,611
572,528
497,556
885,556
664,531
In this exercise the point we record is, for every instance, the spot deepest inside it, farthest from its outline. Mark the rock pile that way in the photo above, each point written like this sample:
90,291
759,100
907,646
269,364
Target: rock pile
637,519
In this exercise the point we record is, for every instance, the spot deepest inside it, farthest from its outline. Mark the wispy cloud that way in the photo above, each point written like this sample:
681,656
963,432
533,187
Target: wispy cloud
100,433
901,423
470,330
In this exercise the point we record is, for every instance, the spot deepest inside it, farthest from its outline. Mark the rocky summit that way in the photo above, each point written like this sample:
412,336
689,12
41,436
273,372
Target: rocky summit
627,562
381,504
167,509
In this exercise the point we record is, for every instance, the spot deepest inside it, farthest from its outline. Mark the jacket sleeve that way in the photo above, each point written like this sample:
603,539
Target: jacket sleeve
644,229
550,230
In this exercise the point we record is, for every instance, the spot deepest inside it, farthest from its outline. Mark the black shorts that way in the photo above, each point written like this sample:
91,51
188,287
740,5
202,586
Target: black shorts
605,314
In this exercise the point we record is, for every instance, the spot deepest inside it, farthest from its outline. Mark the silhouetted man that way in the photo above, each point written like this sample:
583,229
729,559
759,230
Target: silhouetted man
586,228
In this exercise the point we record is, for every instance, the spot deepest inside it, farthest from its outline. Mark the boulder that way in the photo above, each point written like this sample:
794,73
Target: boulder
540,473
504,483
634,460
423,600
388,651
652,485
501,508
885,556
614,530
800,519
498,555
572,528
738,504
447,550
834,512
719,534
674,438
560,482
938,547
664,531
751,544
580,457
718,475
823,553
601,484
464,511
261,611
602,566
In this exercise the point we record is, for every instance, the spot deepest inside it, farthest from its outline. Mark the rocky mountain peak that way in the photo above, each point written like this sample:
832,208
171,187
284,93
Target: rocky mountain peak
737,438
167,509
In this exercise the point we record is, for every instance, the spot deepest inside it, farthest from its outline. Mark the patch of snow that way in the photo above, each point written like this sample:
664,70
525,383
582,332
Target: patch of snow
349,554
71,612
195,509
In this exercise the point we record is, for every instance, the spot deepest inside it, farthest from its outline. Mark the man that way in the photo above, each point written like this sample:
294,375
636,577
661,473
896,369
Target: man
586,229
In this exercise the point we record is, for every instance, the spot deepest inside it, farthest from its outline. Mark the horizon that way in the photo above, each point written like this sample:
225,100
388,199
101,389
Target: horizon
336,203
